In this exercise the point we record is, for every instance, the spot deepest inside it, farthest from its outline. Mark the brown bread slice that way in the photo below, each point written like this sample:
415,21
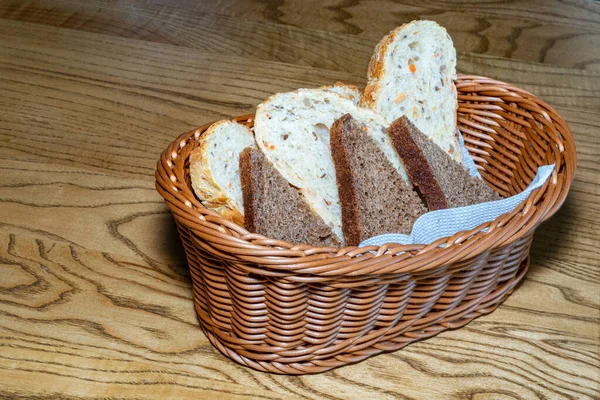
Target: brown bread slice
375,199
416,164
273,208
422,157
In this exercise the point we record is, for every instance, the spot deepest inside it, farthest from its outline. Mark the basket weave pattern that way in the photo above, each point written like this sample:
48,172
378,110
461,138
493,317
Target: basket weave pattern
296,309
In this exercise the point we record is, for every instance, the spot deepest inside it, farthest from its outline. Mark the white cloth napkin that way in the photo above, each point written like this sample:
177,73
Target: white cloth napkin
434,225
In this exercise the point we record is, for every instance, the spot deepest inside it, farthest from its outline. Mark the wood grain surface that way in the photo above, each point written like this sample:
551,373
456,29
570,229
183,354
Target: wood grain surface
95,296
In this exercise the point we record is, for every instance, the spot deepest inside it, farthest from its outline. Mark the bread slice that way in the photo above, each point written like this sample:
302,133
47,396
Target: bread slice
375,199
275,209
214,168
350,92
412,73
416,163
423,158
292,129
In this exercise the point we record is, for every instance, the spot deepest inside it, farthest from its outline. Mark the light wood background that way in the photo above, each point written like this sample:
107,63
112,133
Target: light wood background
95,297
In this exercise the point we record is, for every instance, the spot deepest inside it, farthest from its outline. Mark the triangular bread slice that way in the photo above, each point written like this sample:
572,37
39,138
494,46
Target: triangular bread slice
425,160
214,168
375,199
275,209
412,73
292,130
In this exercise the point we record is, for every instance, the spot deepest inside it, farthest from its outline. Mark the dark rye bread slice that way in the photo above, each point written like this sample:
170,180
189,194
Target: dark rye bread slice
422,157
416,164
375,199
275,209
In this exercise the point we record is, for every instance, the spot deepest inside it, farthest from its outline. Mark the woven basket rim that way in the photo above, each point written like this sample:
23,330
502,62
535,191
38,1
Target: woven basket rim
230,241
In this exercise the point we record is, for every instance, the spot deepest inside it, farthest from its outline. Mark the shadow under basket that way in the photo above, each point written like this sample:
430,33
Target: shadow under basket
297,309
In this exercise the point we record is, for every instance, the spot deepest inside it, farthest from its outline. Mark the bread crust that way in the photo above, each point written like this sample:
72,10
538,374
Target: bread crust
376,66
346,186
352,92
247,192
204,184
416,164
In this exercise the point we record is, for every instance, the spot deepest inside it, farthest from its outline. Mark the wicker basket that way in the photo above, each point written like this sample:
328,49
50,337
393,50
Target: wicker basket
297,309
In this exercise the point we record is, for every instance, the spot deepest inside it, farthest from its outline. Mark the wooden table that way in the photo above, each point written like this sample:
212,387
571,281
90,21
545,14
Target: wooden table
95,297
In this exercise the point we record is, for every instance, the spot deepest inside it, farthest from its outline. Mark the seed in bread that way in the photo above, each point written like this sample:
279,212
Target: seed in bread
412,73
214,168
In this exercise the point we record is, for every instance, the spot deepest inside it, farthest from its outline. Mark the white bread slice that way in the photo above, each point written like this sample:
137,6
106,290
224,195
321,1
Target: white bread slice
215,171
412,73
292,130
350,92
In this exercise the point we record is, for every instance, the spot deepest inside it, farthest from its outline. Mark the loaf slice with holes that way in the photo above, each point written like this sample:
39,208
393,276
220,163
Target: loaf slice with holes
275,209
430,168
292,130
214,168
374,198
412,73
